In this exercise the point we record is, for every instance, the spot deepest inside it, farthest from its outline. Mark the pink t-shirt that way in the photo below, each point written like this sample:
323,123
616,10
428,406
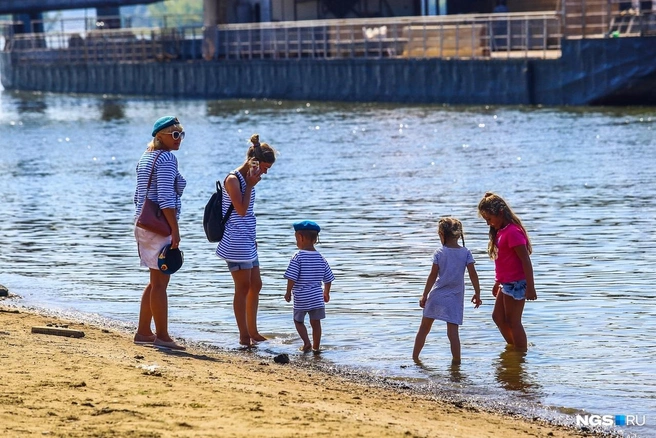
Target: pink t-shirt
508,266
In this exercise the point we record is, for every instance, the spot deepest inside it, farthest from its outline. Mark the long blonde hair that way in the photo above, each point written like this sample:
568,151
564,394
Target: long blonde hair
493,204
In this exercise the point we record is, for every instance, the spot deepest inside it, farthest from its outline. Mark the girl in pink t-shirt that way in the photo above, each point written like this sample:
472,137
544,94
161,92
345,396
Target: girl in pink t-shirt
510,248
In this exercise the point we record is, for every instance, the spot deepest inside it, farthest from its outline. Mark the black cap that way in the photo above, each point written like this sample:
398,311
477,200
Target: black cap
170,260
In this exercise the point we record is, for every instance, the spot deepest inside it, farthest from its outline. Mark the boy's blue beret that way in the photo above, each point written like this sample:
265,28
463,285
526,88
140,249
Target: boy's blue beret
164,122
307,226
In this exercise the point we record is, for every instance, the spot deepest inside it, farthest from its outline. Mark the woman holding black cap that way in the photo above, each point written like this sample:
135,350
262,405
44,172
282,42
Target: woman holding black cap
158,179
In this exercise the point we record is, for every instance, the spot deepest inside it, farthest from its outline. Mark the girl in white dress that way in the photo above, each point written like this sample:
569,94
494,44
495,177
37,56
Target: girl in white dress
444,294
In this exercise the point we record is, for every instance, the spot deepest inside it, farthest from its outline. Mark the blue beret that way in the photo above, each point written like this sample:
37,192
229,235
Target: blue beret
164,122
307,226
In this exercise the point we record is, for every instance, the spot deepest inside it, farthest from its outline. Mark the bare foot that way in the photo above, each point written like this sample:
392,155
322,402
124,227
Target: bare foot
246,342
258,337
305,348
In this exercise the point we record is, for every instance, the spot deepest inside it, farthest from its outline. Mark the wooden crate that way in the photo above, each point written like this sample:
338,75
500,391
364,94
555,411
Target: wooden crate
446,41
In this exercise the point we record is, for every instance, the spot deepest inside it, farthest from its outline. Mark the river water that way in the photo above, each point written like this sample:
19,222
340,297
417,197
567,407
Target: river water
376,178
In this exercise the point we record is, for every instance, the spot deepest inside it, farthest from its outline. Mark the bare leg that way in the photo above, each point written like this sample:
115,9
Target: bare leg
144,328
420,340
252,303
514,309
159,303
242,279
316,333
454,339
499,318
302,331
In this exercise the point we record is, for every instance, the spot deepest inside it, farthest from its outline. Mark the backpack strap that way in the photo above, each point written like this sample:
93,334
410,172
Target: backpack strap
230,209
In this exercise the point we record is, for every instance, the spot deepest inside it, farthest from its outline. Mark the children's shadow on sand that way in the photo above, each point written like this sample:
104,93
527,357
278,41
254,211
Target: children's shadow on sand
190,355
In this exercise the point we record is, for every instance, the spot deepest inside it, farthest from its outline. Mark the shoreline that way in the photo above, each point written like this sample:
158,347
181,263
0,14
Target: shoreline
104,385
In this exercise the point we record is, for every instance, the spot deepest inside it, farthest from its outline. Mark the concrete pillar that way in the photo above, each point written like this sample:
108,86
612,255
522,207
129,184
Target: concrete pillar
215,12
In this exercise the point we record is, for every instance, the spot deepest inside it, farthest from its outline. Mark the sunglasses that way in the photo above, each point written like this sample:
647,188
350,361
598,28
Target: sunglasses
178,135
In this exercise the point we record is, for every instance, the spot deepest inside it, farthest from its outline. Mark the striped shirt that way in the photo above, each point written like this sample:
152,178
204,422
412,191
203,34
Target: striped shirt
307,269
238,243
166,186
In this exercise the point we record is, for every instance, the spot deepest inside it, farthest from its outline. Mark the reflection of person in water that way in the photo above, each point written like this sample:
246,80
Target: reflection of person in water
510,372
456,375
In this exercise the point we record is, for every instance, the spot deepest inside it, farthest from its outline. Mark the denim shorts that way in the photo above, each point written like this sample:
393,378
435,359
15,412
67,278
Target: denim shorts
515,289
238,266
299,315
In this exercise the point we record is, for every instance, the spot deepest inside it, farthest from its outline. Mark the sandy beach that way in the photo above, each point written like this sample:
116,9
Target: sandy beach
103,385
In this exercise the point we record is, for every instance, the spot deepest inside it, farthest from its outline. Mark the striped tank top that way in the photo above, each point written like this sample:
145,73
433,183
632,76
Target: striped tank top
238,243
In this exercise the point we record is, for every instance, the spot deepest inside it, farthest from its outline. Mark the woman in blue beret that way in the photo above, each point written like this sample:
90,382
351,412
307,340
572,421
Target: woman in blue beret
238,246
158,178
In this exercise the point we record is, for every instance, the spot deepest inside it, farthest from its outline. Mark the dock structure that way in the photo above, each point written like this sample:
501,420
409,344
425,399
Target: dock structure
588,52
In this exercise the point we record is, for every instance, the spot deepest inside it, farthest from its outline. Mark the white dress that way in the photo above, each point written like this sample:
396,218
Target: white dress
446,301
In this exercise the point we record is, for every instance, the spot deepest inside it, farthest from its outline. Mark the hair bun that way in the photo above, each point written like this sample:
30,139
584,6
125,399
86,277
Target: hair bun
255,139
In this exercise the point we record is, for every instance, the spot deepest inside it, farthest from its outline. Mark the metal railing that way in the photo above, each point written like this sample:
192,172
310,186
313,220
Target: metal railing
608,18
456,36
534,35
105,46
78,24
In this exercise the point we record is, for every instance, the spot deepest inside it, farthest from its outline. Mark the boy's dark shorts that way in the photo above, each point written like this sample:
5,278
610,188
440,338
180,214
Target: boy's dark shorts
299,315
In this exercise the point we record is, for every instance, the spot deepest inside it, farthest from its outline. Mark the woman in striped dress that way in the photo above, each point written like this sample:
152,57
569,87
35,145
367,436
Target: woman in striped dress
238,247
166,187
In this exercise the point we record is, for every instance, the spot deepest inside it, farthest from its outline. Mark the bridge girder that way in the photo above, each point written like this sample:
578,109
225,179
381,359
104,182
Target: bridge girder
36,6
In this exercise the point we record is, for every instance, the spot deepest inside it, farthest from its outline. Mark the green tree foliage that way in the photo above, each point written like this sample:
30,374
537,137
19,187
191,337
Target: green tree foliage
177,12
177,7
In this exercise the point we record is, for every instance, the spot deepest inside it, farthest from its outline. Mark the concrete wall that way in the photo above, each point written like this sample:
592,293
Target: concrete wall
589,72
385,80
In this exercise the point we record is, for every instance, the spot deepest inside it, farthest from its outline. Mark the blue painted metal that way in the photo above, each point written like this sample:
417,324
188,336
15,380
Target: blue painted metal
33,6
618,71
28,22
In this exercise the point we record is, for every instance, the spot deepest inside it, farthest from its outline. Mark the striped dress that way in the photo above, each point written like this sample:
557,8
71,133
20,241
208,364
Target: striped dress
308,269
166,186
238,243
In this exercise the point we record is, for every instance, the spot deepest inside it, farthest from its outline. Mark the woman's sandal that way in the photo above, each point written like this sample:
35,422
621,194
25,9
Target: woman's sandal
144,340
168,345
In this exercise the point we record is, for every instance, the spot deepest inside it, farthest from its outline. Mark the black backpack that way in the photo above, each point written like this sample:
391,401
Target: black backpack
213,220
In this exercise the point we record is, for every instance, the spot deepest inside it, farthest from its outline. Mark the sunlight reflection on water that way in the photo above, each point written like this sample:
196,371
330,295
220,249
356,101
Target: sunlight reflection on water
581,180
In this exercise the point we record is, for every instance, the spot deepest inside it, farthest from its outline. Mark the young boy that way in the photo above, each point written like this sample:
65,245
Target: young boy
307,270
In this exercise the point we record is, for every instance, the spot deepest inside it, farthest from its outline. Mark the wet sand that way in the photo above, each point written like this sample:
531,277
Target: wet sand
103,385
